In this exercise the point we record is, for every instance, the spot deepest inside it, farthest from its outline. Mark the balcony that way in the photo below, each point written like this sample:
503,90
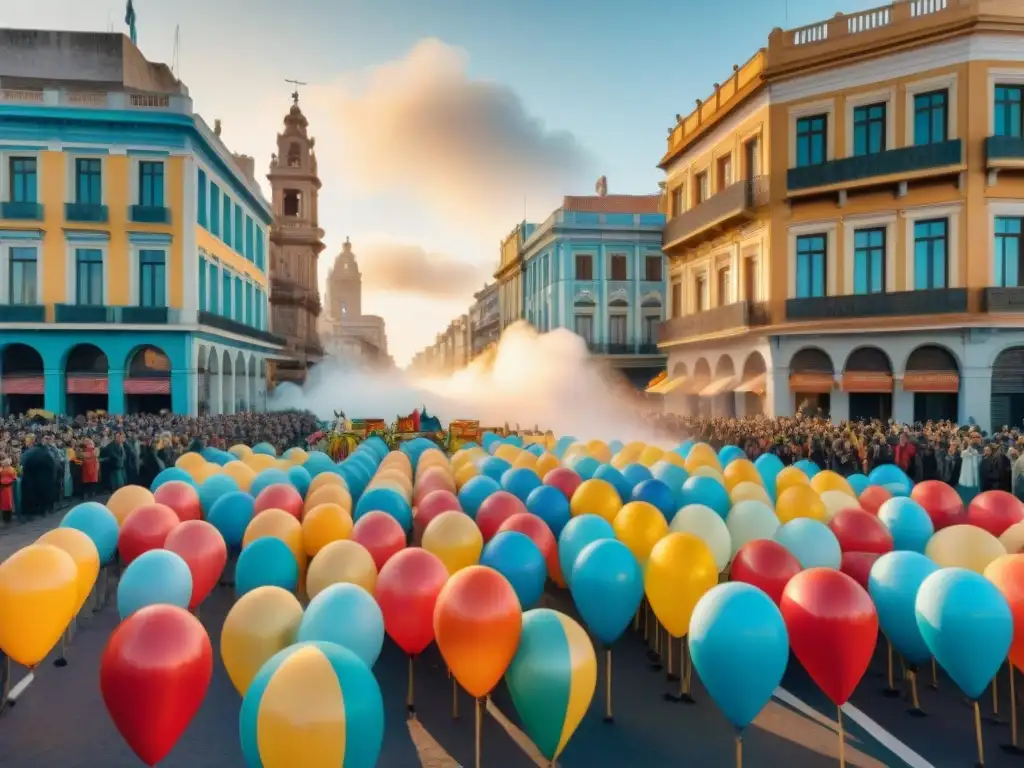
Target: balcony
738,315
233,326
86,212
868,170
83,313
149,214
733,204
940,301
145,315
1006,300
22,211
22,313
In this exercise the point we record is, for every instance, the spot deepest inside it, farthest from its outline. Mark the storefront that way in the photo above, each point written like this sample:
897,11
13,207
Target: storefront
933,376
811,380
868,381
1008,388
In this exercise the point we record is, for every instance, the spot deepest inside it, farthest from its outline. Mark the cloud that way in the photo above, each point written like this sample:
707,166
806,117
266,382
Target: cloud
467,148
398,267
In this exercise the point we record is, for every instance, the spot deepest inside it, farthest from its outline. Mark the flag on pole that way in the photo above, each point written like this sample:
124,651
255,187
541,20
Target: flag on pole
129,19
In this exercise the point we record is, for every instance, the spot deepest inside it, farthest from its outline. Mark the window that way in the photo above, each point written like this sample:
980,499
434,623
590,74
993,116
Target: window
931,117
151,183
1009,120
652,269
677,299
618,267
811,260
239,308
239,241
703,188
930,264
751,279
259,247
292,202
248,304
651,329
811,136
214,304
214,209
202,284
1008,252
869,129
677,200
258,308
752,153
225,289
724,171
89,276
249,247
701,293
617,329
201,201
225,231
152,279
24,276
24,181
584,326
869,261
584,266
294,155
88,181
724,286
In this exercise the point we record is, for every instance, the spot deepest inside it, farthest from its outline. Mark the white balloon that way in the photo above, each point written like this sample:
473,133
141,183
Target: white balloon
706,471
708,526
811,542
836,501
749,491
1013,539
750,520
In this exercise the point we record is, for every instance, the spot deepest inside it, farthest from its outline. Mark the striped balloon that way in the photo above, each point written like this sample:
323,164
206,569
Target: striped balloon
552,678
311,704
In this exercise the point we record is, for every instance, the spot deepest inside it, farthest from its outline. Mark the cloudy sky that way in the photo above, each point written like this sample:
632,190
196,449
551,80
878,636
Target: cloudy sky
442,123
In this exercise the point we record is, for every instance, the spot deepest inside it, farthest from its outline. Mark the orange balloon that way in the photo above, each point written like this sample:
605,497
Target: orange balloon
323,524
241,473
1007,573
545,463
477,623
324,479
127,499
328,494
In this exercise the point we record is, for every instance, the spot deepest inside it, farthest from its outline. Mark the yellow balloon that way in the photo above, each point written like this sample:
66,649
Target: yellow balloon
789,477
827,480
241,473
262,622
283,464
600,451
595,497
640,526
203,473
466,473
749,492
240,451
127,499
650,456
671,457
741,471
708,471
83,552
680,570
395,476
325,479
633,449
38,599
260,461
296,456
836,501
623,458
455,539
459,458
525,460
328,494
800,501
341,562
475,454
323,524
391,484
964,546
545,463
278,524
508,452
189,460
702,455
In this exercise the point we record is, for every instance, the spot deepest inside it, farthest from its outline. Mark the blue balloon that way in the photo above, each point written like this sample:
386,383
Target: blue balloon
562,445
615,446
213,488
900,489
811,542
520,482
966,623
607,587
99,524
266,562
169,474
356,477
684,448
740,648
610,474
729,454
385,500
858,483
515,440
217,456
586,467
473,493
264,448
888,473
376,444
267,478
671,475
518,559
300,478
494,468
808,467
156,577
908,522
348,615
706,491
490,441
535,448
893,584
658,494
318,462
231,515
636,474
549,504
577,534
769,465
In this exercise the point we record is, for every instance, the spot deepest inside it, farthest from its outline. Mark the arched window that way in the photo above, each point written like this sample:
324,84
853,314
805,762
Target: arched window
294,155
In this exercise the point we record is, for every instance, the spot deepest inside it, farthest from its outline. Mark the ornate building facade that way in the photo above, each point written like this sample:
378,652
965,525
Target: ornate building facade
346,332
296,241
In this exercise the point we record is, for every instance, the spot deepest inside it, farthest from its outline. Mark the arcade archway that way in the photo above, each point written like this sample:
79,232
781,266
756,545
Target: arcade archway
147,383
933,376
811,380
867,378
22,382
86,369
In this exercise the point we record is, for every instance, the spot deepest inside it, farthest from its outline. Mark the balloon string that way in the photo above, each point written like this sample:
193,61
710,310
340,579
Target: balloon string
891,682
842,739
479,717
995,696
455,699
977,733
1013,709
608,685
739,750
914,701
935,676
410,699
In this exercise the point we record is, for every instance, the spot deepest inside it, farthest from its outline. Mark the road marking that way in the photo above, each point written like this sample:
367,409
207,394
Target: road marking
877,732
521,739
20,688
429,751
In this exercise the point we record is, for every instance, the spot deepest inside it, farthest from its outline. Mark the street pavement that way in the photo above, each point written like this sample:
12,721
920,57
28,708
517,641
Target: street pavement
61,719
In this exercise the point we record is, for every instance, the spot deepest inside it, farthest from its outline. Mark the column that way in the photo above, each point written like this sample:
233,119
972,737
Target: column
189,249
778,398
840,405
976,397
53,391
229,390
902,404
115,391
182,382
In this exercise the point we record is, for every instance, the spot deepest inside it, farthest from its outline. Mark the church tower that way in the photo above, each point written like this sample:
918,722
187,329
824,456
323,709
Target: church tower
345,286
296,241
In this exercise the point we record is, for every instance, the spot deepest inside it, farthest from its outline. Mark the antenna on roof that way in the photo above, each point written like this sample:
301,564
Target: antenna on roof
174,57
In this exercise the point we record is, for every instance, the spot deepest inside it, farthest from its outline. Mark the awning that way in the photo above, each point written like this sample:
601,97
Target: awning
665,386
867,381
755,384
811,382
87,385
693,386
719,386
22,385
147,386
931,381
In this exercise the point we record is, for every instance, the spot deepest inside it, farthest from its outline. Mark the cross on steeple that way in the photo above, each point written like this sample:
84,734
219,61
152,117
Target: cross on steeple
295,93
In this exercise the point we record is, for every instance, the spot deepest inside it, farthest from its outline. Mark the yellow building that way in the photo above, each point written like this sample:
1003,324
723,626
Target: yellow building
846,222
132,242
509,275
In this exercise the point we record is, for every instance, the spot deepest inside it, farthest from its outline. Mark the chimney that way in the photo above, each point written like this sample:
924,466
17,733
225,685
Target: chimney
216,127
246,165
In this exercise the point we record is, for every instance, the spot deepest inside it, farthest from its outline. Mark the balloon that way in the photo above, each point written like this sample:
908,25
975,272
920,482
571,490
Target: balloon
740,470
894,582
182,498
552,679
261,623
909,523
381,534
328,494
835,502
312,704
873,497
154,674
433,504
209,494
455,539
515,556
1007,573
740,648
727,454
407,592
264,449
241,473
766,565
832,627
702,455
964,546
164,476
892,478
84,554
635,474
808,467
858,483
942,503
799,502
279,496
386,501
157,577
704,523
38,598
749,521
993,511
750,492
610,474
539,533
128,498
551,506
477,623
607,587
323,524
657,494
300,478
827,480
564,479
494,467
860,531
341,562
769,466
680,570
324,479
278,524
640,526
267,477
267,561
520,482
1013,539
348,616
811,542
474,492
98,523
495,510
577,534
231,515
146,528
967,624
707,492
203,549
791,477
858,565
670,474
585,467
595,497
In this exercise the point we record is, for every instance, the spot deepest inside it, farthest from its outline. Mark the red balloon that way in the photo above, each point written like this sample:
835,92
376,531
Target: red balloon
765,564
860,531
564,479
432,505
279,496
942,503
857,565
495,510
381,534
203,549
433,478
425,487
540,534
144,529
833,628
153,676
182,498
873,497
995,511
406,591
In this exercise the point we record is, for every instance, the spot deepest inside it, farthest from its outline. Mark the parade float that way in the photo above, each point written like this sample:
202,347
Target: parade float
346,434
